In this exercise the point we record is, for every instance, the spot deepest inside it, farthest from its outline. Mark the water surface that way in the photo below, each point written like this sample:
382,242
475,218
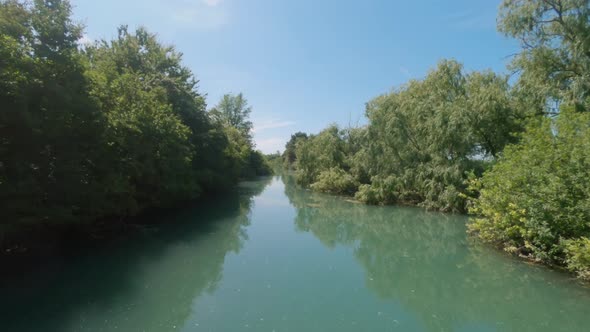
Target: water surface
272,257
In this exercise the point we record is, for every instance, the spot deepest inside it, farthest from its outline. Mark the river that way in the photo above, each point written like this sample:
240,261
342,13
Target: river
273,257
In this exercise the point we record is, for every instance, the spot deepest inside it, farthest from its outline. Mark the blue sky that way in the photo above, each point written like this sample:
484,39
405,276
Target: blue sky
304,64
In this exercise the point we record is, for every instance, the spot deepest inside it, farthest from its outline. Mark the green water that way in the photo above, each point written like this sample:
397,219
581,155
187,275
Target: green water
272,257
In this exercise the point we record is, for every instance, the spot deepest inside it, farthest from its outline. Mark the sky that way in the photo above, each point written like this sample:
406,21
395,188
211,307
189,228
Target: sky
304,64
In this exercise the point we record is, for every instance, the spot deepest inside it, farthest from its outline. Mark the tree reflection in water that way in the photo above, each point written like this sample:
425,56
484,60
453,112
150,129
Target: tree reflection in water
148,281
426,262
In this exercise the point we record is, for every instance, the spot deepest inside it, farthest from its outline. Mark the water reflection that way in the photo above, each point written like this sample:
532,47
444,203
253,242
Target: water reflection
339,266
425,262
144,283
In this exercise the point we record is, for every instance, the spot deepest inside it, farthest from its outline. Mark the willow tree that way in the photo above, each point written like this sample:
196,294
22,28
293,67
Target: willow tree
425,136
534,201
319,153
421,141
555,59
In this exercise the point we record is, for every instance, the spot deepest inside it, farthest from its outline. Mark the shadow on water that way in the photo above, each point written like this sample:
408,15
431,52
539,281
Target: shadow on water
162,271
426,262
417,264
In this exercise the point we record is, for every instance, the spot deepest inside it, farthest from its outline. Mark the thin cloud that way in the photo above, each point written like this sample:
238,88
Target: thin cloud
205,14
272,124
270,145
211,3
405,71
468,20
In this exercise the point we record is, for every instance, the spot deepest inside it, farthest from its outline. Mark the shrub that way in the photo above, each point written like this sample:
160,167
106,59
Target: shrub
578,256
367,194
335,181
538,194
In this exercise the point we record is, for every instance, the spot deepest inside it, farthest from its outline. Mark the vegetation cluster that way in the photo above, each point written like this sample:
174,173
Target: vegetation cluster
514,151
107,129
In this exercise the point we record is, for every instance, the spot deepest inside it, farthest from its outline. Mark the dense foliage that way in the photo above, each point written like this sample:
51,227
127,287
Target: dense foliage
536,199
106,129
289,155
232,114
420,143
555,58
109,129
522,147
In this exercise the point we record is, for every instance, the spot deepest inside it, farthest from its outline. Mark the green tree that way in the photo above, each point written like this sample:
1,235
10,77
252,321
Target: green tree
157,121
555,57
289,155
103,130
319,153
536,199
49,124
161,71
233,111
425,136
421,141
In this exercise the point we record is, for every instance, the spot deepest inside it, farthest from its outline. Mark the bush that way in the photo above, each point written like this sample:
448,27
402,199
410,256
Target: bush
578,256
259,164
335,181
367,194
319,153
538,194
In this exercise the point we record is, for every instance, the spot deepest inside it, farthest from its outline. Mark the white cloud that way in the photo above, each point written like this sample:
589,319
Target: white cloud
271,124
468,20
270,145
212,3
204,14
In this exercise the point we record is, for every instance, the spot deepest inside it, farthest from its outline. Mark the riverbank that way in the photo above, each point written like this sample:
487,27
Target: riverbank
307,261
39,241
522,254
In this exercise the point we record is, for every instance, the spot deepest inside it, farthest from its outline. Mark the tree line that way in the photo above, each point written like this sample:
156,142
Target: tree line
106,129
513,153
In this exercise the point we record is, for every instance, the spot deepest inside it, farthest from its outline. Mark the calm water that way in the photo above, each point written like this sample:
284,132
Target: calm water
275,258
